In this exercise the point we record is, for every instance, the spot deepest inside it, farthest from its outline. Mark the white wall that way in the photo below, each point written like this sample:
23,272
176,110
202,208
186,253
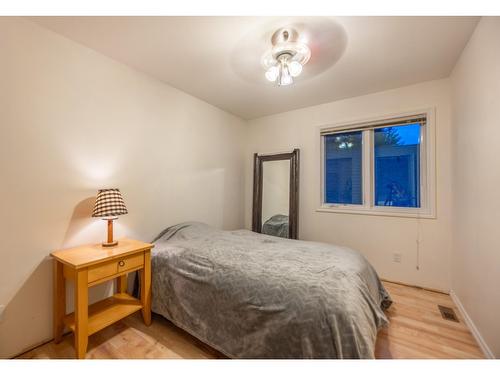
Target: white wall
73,121
476,180
378,237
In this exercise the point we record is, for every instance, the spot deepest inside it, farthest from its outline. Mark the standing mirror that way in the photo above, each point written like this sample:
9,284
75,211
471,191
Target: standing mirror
276,194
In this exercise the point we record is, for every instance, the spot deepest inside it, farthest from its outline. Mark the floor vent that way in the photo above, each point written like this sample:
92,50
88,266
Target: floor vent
448,313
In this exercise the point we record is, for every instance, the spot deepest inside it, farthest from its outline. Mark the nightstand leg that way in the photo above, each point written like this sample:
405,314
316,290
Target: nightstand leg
146,288
59,301
81,313
121,284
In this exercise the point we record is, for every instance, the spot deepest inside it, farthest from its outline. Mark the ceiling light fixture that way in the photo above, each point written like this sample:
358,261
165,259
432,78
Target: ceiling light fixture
286,58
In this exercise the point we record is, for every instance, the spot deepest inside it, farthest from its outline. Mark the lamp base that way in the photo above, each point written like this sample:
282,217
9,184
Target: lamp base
109,244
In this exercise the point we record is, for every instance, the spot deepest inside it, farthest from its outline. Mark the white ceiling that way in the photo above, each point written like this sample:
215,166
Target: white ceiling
217,59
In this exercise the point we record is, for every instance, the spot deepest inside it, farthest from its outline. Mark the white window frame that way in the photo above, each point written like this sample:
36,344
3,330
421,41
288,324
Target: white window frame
427,168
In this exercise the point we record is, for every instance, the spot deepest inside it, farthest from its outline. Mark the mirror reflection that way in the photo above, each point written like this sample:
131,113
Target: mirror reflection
276,198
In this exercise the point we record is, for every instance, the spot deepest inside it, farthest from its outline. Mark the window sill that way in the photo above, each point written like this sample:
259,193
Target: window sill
375,211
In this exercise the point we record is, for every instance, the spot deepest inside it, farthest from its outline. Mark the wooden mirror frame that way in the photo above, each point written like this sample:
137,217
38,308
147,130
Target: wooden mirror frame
293,214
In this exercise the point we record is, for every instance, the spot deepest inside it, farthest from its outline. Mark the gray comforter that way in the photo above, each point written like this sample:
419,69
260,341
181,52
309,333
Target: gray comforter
250,295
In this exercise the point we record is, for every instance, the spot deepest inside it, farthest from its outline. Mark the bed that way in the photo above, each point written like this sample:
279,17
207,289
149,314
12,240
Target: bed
251,295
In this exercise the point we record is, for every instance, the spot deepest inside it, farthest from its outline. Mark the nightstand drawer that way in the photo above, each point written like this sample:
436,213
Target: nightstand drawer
102,271
109,269
130,262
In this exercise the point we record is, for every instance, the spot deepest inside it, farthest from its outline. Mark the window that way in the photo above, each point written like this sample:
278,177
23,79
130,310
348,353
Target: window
397,166
380,167
343,174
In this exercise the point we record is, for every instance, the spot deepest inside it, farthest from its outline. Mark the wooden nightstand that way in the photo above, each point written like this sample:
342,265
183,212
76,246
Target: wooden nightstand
90,265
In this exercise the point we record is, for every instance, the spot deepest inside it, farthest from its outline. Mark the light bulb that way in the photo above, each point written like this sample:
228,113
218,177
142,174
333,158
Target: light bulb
285,77
272,73
295,68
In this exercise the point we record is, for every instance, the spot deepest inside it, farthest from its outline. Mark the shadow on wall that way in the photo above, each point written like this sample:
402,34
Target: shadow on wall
31,306
80,220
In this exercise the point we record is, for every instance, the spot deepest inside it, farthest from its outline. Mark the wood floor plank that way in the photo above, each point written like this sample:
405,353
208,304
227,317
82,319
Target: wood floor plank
416,330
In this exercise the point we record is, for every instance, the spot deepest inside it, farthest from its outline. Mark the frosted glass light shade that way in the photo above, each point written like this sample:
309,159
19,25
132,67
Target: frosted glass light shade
286,80
272,73
295,68
284,72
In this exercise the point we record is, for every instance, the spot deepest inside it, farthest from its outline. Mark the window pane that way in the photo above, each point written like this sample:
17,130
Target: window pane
343,171
397,166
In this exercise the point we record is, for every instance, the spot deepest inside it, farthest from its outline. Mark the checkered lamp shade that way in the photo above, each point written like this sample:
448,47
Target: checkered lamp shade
109,202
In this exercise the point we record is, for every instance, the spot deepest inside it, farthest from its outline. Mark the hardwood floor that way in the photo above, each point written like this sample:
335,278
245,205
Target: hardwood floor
417,330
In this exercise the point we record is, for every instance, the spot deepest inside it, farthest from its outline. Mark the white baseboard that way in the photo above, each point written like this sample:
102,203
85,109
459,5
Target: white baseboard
475,332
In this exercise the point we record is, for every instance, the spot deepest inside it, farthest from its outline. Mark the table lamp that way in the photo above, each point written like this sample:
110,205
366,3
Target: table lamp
108,205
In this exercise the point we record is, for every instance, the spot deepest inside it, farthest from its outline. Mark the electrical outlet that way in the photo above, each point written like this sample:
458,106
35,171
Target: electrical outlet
396,257
2,309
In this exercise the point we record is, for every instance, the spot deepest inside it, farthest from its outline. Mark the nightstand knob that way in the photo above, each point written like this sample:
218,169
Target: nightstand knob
121,263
